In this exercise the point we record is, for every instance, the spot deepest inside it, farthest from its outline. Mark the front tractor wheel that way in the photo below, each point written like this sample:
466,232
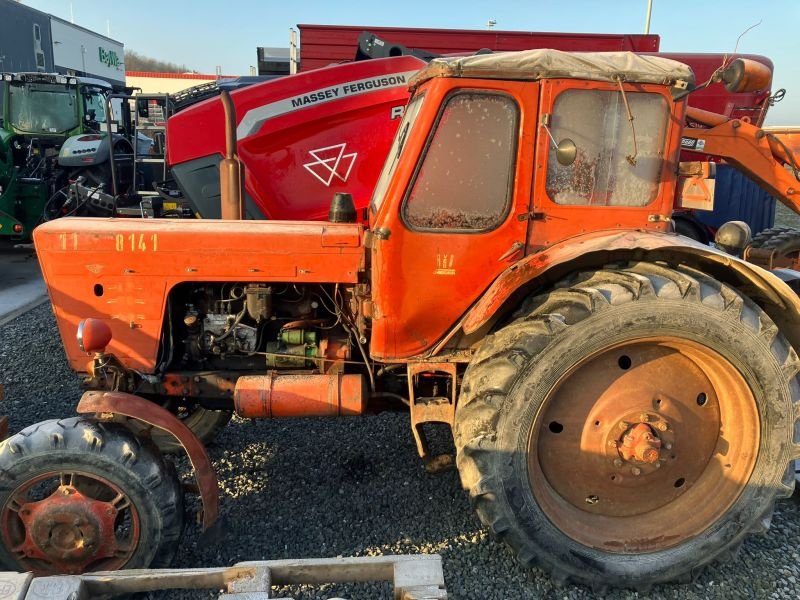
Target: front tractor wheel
630,427
79,496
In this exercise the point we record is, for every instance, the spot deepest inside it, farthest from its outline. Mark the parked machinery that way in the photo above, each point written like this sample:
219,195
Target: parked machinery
624,400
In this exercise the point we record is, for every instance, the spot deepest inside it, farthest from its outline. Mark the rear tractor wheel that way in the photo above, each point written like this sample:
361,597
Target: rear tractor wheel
630,427
205,423
79,496
784,240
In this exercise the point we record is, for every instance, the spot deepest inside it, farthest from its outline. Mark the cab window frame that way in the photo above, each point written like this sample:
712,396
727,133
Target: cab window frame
514,150
666,154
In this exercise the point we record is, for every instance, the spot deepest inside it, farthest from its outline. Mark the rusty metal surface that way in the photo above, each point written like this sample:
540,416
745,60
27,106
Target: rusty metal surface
772,258
71,529
299,395
640,443
231,170
635,438
440,409
413,578
146,411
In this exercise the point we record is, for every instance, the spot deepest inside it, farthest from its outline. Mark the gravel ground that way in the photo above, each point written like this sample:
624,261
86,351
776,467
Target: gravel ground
307,488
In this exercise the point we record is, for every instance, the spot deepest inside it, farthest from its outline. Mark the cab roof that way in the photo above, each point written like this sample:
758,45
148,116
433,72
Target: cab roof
531,65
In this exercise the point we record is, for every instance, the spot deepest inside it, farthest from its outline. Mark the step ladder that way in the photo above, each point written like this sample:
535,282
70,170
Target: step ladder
150,118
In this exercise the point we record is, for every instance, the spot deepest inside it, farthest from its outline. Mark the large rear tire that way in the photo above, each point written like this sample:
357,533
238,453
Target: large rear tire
77,495
780,237
784,240
204,423
630,427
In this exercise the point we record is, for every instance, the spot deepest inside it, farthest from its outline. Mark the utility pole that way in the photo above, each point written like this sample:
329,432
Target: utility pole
649,13
294,63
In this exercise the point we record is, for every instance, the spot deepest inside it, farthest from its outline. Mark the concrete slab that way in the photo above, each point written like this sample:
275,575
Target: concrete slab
21,283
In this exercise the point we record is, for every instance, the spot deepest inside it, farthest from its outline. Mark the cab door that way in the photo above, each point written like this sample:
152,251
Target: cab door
454,216
612,173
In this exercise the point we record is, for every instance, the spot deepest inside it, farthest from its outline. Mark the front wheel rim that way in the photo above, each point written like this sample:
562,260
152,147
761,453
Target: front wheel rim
70,522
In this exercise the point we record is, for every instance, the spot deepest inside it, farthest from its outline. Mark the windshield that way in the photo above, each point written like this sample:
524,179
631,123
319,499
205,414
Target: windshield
409,116
42,107
94,104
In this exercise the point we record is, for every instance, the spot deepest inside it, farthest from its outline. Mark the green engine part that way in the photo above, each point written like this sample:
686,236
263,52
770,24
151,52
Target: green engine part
298,336
295,349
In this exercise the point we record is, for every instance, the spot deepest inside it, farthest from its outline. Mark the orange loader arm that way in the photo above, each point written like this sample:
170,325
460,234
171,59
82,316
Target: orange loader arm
768,157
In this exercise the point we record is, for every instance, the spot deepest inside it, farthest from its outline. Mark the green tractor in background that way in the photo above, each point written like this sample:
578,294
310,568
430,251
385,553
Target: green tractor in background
52,131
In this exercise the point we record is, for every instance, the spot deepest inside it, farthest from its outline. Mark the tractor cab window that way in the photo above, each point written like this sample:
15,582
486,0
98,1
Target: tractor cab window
611,163
94,102
465,180
42,107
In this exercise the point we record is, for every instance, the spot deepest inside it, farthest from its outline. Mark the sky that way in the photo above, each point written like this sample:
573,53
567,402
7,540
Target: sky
203,34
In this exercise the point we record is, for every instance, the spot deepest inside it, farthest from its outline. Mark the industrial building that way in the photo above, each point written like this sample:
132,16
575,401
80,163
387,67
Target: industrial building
31,40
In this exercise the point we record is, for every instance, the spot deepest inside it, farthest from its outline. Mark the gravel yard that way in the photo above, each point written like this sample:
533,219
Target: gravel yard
315,488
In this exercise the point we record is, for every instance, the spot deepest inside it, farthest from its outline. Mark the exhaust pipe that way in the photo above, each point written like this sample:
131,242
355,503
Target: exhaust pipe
231,171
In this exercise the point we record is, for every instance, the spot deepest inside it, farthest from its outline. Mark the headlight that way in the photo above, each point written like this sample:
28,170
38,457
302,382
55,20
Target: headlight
93,335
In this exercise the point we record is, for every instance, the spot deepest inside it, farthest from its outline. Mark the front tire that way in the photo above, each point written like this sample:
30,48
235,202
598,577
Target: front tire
78,495
630,427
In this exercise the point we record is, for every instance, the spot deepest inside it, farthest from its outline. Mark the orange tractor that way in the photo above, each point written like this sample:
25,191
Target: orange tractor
624,401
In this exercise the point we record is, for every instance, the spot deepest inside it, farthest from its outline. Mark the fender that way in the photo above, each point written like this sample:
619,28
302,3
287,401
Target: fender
146,411
598,248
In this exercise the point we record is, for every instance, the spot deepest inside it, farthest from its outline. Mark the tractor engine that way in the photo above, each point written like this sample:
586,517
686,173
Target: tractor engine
254,326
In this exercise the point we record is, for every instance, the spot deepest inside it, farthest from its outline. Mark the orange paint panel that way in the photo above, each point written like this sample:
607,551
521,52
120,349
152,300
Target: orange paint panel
424,280
606,243
120,270
299,395
761,157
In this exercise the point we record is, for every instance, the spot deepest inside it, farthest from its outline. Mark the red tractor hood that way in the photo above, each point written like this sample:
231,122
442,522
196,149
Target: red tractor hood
302,137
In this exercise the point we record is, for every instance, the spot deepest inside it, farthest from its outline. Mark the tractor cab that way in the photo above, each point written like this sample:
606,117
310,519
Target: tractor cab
40,105
500,156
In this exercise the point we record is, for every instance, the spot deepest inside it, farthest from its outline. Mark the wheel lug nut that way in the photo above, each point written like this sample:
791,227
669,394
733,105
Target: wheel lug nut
668,446
618,462
644,417
622,425
636,471
612,443
657,464
661,426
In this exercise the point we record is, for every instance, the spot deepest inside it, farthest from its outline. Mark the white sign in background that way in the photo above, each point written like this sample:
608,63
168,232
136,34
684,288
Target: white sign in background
80,50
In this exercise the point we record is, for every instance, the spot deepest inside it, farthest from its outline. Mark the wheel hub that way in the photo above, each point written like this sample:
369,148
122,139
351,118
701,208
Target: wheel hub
68,525
639,444
70,530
